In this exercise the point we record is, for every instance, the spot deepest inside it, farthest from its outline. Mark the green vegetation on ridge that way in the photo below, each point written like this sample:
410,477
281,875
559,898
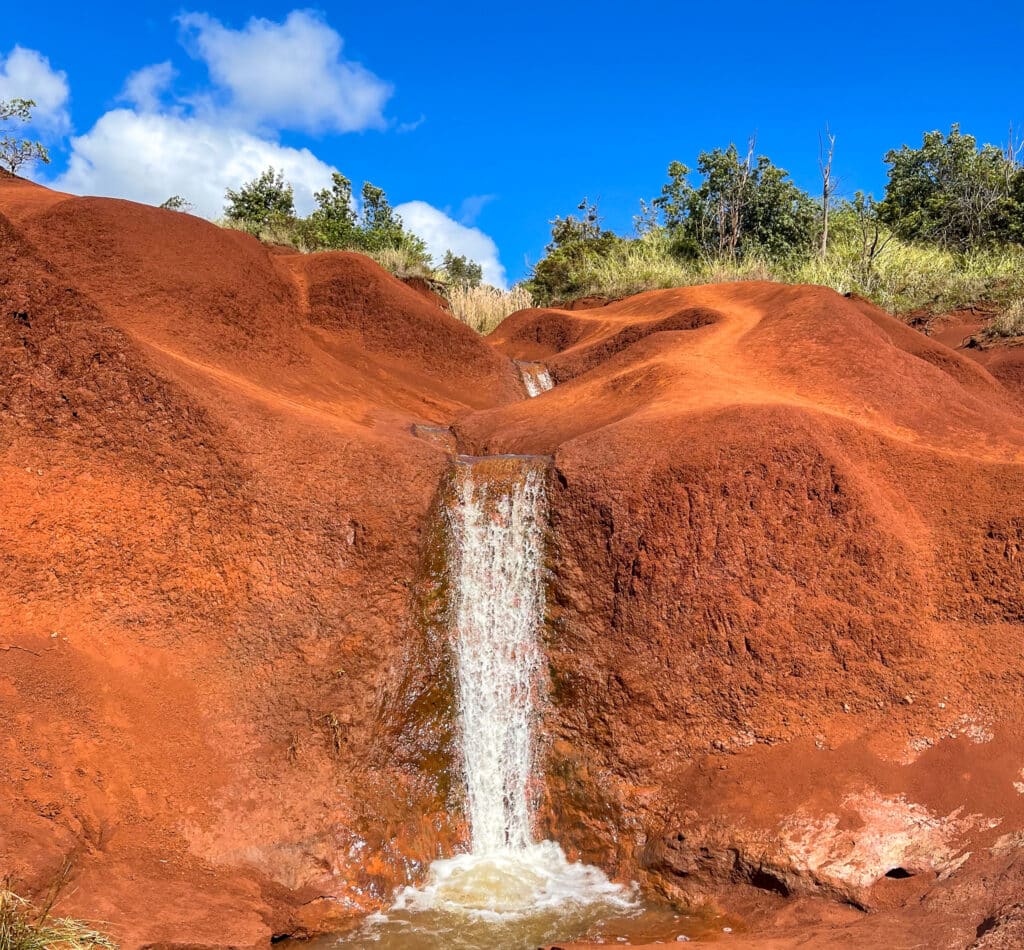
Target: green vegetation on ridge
265,207
948,233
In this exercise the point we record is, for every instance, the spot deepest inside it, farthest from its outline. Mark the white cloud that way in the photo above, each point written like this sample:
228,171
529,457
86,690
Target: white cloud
266,77
145,87
27,74
289,75
445,234
148,157
405,127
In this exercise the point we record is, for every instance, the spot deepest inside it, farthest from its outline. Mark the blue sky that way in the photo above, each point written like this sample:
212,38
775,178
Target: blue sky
485,121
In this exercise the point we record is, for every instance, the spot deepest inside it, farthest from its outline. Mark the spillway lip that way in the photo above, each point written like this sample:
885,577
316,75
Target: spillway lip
472,459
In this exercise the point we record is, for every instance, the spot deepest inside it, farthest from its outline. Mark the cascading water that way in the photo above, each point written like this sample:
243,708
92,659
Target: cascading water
497,524
498,612
536,377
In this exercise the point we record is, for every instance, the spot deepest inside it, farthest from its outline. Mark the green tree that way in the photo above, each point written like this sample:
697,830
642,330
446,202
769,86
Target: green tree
677,197
333,224
261,203
382,228
16,152
576,244
952,193
461,271
780,219
741,206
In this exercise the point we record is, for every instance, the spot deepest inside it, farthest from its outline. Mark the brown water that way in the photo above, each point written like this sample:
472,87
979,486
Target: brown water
445,930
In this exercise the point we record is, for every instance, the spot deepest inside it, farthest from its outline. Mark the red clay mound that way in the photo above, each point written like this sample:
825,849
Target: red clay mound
786,590
214,503
961,331
788,608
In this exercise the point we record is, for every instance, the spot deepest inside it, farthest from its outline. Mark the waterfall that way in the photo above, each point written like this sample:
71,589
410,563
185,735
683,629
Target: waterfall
497,519
535,376
498,613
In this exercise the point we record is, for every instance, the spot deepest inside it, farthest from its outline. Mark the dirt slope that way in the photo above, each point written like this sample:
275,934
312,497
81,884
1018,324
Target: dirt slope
213,505
786,636
786,590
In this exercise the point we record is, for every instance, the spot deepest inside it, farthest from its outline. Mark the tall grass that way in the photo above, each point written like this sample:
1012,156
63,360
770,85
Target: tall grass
400,262
23,927
484,307
902,278
906,278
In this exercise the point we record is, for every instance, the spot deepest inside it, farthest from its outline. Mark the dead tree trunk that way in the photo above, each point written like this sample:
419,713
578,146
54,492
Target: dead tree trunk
828,185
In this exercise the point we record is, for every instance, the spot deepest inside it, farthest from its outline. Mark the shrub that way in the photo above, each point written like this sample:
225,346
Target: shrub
177,203
333,224
264,202
1009,322
460,271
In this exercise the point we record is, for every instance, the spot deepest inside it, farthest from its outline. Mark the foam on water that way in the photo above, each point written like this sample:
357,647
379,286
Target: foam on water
505,885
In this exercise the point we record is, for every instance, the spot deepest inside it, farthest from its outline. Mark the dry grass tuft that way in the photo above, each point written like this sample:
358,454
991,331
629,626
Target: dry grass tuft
1008,323
484,307
23,927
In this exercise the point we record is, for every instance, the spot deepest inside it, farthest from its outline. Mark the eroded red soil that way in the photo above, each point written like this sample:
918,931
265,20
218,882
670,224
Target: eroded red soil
786,595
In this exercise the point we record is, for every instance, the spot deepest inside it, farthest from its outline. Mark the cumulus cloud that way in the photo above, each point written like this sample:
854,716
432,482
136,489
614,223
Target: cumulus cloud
27,74
145,88
445,234
289,75
266,78
148,157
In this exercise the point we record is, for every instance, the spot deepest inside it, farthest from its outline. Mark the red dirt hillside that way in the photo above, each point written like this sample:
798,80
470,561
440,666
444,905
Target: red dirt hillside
786,643
785,596
213,505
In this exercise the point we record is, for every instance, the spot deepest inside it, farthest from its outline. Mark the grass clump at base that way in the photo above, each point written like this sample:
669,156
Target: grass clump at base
24,927
1007,324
